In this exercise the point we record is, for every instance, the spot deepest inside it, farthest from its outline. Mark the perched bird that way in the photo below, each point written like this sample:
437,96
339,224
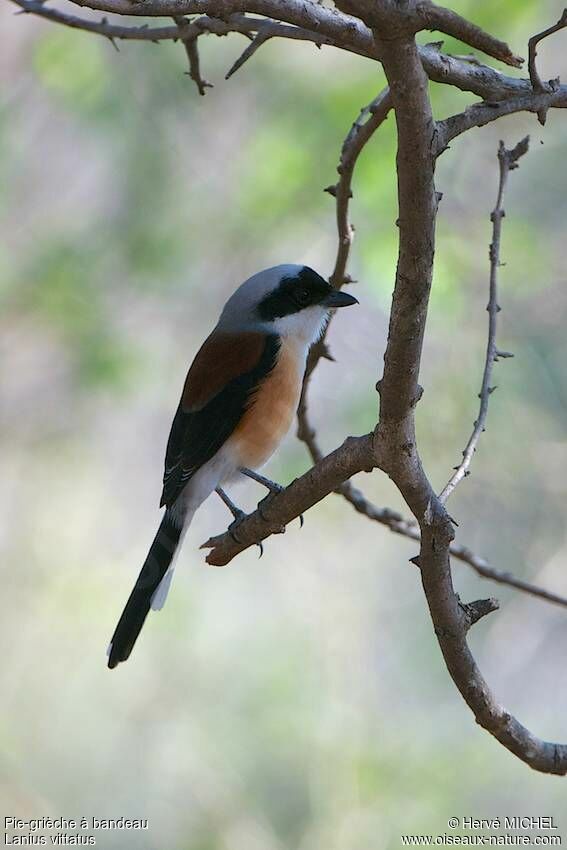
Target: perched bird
239,399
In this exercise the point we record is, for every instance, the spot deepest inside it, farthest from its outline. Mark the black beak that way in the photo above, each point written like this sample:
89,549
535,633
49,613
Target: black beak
336,298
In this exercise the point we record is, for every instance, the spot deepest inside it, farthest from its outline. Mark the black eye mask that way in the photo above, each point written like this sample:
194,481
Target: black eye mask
294,294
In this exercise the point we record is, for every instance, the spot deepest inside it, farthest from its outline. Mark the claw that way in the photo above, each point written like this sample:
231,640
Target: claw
266,501
238,515
273,487
232,530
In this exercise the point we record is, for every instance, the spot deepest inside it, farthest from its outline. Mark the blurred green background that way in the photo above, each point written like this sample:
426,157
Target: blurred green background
299,701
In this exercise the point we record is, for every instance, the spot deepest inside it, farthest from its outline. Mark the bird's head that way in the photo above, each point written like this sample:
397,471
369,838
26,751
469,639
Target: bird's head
288,300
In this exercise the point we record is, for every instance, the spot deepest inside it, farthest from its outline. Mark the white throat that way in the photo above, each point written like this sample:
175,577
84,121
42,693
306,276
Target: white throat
306,326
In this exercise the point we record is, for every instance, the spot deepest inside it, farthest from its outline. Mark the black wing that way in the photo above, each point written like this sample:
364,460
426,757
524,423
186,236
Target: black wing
197,434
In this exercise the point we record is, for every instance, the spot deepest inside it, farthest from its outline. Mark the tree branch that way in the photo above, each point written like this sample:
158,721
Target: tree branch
192,51
362,130
480,114
537,84
309,22
370,118
399,393
409,529
277,511
242,24
425,15
507,161
433,17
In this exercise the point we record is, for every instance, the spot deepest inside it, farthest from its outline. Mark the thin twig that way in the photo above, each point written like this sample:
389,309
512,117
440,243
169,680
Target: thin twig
409,529
192,52
481,114
537,84
370,118
242,24
507,161
362,130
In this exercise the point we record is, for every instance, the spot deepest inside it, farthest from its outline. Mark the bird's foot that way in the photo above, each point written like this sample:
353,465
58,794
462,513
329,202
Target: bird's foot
232,528
239,515
273,487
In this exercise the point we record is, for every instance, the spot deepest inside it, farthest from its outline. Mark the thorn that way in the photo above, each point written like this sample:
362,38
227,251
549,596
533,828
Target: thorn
474,611
332,190
418,396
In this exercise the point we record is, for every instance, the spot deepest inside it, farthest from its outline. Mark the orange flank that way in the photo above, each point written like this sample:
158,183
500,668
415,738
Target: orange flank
271,412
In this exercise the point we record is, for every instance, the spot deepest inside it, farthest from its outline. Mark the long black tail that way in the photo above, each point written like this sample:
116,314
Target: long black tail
155,567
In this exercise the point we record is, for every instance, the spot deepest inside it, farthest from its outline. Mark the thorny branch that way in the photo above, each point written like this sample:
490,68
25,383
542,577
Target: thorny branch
277,511
537,84
399,393
305,21
192,51
370,118
385,31
507,160
409,528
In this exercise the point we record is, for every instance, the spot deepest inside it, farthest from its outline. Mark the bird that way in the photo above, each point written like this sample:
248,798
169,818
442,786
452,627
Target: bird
238,401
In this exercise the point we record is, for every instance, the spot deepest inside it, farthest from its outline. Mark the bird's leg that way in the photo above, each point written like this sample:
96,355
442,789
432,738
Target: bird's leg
270,485
238,515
